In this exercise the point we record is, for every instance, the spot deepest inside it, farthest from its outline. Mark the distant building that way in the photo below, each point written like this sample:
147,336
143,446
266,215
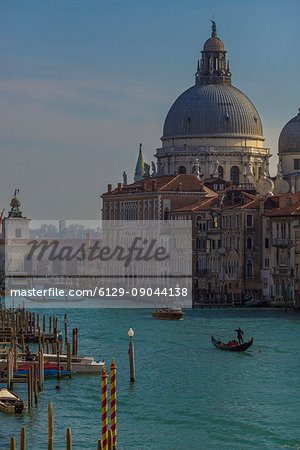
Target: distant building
15,225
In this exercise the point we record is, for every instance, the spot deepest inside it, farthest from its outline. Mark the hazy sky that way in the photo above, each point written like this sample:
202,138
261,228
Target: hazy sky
83,82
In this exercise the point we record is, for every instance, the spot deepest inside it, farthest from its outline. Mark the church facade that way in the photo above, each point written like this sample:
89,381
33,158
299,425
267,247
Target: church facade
244,222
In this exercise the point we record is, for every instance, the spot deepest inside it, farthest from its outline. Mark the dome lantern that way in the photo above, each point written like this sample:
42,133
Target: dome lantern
213,68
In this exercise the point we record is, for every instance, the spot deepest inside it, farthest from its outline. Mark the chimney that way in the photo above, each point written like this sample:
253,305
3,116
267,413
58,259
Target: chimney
109,188
261,206
143,185
119,187
180,186
89,237
154,184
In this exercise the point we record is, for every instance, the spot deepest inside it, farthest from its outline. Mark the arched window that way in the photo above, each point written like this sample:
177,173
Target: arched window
249,243
216,222
221,171
166,214
198,218
235,175
198,243
249,269
181,169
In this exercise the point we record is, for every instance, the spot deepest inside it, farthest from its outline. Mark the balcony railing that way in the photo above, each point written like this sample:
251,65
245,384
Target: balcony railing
204,272
283,270
283,242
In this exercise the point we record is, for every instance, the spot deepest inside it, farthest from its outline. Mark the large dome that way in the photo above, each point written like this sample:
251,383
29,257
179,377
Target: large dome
213,110
289,139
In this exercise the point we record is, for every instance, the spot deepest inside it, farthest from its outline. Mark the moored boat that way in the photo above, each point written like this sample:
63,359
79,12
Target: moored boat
232,346
50,370
168,313
10,403
81,364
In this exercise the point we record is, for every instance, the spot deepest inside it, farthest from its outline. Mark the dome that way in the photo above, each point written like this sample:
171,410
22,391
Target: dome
213,110
213,44
289,139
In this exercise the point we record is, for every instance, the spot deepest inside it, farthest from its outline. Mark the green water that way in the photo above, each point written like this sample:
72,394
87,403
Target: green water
187,395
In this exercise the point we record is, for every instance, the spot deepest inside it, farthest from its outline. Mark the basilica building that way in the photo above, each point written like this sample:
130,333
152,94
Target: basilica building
214,125
213,170
214,130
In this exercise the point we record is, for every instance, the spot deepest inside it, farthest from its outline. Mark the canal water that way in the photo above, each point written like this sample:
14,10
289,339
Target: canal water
187,394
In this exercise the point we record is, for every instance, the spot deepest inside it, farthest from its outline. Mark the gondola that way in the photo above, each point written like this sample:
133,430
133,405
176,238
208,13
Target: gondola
233,347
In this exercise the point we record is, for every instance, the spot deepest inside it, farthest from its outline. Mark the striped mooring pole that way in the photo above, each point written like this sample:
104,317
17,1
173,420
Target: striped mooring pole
104,409
113,401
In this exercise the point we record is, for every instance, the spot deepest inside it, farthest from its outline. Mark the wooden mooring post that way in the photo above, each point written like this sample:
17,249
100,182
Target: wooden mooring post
69,439
58,364
69,357
12,443
50,427
104,409
35,384
113,403
10,371
23,439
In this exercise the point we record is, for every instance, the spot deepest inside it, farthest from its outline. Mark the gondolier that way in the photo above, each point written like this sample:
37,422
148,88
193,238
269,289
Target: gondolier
240,335
232,347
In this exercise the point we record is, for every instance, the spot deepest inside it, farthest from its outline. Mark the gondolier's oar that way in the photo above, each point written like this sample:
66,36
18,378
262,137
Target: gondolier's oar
254,344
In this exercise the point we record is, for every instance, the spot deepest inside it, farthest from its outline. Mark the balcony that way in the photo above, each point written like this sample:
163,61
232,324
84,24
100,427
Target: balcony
223,250
214,231
283,242
204,272
283,270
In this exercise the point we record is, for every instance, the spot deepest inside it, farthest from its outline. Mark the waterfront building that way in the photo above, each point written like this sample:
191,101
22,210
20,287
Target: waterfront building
283,223
152,198
228,235
213,168
15,225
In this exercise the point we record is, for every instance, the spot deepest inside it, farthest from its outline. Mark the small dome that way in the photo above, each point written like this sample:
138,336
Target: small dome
213,44
213,110
289,139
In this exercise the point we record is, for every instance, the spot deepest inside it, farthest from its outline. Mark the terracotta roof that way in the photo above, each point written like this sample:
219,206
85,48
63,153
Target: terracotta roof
215,180
189,183
289,210
200,205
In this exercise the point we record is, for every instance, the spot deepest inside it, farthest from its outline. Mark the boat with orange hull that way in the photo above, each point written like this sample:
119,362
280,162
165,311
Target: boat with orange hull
168,314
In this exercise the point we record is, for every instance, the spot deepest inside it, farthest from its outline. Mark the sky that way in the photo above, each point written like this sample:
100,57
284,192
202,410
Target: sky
82,83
